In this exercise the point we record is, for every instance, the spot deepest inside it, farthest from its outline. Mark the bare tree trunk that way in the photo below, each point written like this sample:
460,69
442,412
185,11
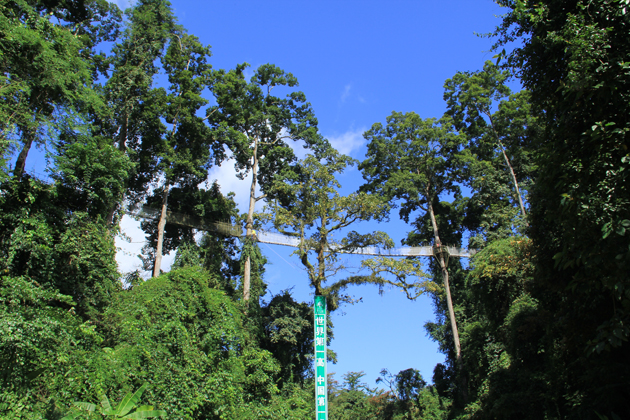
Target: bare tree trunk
509,165
518,191
20,163
449,300
250,225
122,136
160,239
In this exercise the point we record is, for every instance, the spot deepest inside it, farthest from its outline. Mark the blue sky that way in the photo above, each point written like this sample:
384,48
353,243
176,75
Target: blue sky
356,61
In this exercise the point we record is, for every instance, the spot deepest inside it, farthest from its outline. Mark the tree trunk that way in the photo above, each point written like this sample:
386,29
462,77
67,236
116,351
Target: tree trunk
250,225
122,136
518,191
509,165
110,215
449,301
160,239
20,163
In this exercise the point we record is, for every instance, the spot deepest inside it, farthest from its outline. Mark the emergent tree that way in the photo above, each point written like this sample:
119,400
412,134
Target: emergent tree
257,128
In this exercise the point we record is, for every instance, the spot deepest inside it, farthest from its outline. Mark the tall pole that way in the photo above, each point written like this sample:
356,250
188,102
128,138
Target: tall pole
321,388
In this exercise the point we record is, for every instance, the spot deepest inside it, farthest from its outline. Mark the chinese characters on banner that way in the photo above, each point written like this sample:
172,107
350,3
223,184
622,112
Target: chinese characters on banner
321,394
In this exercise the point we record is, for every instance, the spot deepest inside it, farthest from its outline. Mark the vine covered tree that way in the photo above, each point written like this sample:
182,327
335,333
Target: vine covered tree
187,149
318,215
258,127
573,58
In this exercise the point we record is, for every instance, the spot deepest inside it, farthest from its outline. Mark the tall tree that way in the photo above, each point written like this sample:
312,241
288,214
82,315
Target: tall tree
48,67
133,118
258,127
500,127
414,161
187,148
318,215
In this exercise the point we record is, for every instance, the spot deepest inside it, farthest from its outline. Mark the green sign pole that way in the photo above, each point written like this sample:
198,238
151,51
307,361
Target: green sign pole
321,392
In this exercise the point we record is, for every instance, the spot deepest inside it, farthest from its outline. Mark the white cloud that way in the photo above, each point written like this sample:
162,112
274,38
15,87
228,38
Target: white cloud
123,4
129,244
349,142
128,251
227,179
298,148
346,93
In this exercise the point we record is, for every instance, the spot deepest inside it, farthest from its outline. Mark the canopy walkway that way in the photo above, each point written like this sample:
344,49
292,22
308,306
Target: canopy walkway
276,238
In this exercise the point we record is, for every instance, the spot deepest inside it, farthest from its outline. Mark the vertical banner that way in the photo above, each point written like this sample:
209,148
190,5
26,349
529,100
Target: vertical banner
321,390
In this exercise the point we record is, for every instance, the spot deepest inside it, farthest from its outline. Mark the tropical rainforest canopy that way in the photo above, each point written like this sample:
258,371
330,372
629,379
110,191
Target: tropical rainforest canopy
534,327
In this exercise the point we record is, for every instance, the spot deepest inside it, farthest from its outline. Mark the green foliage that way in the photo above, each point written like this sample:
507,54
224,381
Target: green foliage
122,410
353,400
408,398
499,275
288,335
40,335
66,251
32,330
317,213
182,337
293,403
573,58
497,163
91,174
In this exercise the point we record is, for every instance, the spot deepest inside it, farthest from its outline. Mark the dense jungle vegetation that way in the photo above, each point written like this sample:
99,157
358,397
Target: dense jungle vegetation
536,327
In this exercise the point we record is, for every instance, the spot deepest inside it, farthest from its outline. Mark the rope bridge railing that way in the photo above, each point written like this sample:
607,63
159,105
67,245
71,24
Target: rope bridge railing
187,220
276,238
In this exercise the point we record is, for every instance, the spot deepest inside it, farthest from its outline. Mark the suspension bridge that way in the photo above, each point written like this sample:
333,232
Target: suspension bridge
277,238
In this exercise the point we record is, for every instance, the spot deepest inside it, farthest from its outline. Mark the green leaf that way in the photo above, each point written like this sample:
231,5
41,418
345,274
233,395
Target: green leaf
146,414
86,406
105,403
130,401
72,415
